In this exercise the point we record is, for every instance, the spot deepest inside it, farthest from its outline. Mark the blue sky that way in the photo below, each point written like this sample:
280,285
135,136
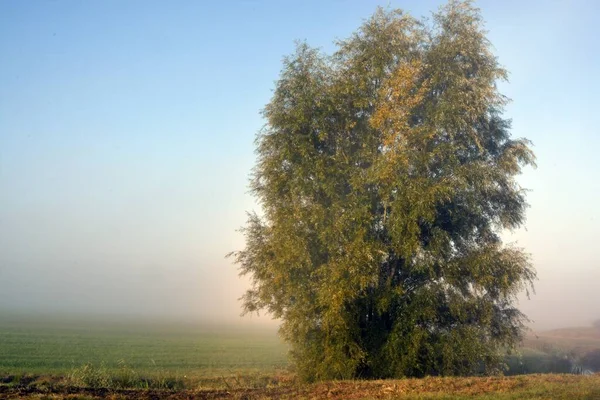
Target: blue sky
126,141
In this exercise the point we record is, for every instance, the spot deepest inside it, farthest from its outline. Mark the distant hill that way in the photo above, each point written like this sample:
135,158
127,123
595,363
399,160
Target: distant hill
576,341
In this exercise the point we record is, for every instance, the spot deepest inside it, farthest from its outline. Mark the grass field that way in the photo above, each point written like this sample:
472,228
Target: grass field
60,357
59,345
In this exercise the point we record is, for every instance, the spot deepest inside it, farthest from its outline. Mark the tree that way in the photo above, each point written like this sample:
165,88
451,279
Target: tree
385,173
591,359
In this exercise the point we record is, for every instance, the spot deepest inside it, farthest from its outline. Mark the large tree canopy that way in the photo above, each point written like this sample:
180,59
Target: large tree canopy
386,173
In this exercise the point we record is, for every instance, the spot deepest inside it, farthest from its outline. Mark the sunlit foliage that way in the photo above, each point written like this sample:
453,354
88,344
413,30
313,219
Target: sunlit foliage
386,172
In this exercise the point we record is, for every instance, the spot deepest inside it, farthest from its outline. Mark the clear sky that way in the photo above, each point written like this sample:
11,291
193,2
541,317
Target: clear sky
126,142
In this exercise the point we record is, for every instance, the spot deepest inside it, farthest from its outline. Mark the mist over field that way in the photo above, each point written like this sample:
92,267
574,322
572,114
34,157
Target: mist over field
126,143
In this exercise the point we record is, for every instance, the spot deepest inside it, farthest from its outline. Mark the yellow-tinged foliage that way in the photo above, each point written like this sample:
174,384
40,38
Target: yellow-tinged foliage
385,173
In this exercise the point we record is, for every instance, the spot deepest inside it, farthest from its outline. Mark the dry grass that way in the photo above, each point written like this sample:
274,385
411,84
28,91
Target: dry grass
569,387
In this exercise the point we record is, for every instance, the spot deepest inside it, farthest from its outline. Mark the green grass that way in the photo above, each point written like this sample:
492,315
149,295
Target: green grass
59,346
60,357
